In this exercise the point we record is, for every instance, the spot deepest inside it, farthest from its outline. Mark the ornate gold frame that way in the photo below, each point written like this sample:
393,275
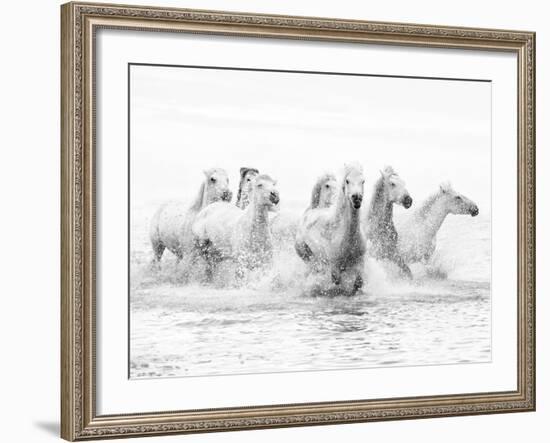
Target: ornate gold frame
79,21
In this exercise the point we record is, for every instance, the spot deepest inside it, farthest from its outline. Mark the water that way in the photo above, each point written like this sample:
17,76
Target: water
274,324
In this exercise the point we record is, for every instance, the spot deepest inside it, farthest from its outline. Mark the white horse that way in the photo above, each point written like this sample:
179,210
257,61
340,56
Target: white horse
245,186
223,231
380,230
323,193
417,234
283,223
331,239
171,224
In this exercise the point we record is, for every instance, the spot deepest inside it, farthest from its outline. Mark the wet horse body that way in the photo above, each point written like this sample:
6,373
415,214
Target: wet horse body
171,224
322,196
331,239
283,223
380,230
418,234
225,232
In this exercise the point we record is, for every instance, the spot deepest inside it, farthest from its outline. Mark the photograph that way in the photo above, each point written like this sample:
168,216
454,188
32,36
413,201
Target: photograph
289,218
286,221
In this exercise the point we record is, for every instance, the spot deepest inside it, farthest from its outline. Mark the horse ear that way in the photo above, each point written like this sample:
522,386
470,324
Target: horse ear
445,187
244,170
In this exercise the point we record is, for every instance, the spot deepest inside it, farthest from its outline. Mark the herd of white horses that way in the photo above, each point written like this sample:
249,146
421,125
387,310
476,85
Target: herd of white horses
333,236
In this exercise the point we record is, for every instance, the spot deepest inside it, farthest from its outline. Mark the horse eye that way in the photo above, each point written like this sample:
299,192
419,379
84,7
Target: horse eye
212,179
393,185
347,182
458,197
247,179
260,185
327,186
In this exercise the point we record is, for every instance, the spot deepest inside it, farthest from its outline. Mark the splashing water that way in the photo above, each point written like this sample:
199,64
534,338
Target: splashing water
282,319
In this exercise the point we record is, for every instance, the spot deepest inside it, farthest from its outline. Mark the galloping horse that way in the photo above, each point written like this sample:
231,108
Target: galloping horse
379,227
283,223
223,231
171,224
417,235
322,197
331,239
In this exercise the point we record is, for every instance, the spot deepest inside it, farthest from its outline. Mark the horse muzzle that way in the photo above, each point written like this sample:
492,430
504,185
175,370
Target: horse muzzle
356,200
407,201
227,195
274,198
474,211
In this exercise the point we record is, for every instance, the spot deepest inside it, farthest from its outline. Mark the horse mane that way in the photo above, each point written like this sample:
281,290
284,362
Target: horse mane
316,191
428,203
376,208
378,192
199,199
350,167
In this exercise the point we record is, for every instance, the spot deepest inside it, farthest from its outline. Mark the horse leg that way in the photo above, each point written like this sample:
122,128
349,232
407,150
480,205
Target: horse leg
336,276
213,259
240,269
357,284
158,250
404,268
204,248
303,251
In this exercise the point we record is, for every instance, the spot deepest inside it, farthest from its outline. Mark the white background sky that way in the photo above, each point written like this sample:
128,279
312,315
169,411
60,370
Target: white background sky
295,126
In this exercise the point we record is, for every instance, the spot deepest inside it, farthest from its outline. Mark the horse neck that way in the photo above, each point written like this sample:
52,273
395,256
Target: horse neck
242,200
339,208
351,220
202,198
258,216
434,216
381,209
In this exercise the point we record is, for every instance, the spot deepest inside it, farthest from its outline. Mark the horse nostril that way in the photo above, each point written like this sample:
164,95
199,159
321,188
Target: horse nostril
474,211
227,195
407,201
357,199
274,197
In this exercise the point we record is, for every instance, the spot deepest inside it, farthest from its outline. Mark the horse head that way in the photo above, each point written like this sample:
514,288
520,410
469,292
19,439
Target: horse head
264,191
457,203
245,186
353,184
395,188
324,191
217,185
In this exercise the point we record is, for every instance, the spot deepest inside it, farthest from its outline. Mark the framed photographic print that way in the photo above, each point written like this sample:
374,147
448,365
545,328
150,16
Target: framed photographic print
282,221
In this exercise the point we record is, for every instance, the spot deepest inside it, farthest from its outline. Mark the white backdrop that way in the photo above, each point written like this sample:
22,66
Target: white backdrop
29,179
